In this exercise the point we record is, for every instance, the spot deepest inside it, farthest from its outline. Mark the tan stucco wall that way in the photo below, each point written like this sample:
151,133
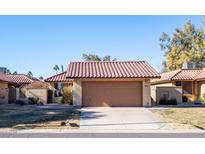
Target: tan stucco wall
146,95
77,89
42,94
154,86
4,92
174,92
77,93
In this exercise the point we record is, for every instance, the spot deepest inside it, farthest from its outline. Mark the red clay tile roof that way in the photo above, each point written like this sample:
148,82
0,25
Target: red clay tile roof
117,69
183,74
167,76
201,76
20,78
187,74
3,77
37,85
61,77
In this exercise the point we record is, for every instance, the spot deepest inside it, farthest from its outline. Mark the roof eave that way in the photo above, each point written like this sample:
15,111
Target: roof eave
161,81
72,78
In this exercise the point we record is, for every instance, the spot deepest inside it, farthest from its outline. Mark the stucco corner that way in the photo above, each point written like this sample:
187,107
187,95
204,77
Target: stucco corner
77,93
146,93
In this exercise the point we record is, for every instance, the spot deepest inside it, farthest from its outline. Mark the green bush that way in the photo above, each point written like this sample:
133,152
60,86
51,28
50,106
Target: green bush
67,97
20,102
203,98
32,100
164,101
203,95
172,101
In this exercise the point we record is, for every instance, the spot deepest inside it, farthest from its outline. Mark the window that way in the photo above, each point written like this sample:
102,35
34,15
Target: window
58,93
187,87
178,83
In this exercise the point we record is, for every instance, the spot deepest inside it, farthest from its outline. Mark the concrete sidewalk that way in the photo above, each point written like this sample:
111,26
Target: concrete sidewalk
78,133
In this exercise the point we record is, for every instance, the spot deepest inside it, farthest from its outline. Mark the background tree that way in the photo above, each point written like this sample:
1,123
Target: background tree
108,58
8,71
41,78
93,57
56,68
30,74
187,45
15,72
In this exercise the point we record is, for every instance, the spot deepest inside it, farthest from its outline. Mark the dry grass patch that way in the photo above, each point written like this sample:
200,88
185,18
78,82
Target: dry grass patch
183,117
31,117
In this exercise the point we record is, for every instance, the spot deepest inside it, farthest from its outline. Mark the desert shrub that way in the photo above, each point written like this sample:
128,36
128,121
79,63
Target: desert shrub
20,102
32,100
67,96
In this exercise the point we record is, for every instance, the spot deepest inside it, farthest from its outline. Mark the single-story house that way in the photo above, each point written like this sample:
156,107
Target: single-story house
4,88
19,80
191,81
58,82
113,84
11,85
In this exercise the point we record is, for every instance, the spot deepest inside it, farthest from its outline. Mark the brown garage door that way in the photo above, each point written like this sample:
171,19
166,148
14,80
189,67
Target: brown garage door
116,94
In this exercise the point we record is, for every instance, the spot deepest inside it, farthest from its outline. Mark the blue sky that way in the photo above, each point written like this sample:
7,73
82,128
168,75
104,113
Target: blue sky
37,43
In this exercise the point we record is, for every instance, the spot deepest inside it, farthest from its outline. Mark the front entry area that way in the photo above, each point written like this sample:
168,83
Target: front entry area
112,94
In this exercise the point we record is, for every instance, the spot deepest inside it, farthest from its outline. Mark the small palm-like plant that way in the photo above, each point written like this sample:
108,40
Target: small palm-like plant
56,68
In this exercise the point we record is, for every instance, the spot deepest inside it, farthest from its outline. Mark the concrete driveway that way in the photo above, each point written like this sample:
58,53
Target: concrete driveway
120,119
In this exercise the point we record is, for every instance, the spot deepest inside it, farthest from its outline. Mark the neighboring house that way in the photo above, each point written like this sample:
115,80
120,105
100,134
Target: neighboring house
191,81
58,83
114,84
19,80
38,90
4,88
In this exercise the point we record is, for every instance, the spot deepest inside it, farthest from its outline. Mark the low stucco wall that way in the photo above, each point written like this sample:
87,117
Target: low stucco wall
172,92
42,94
154,87
4,92
77,90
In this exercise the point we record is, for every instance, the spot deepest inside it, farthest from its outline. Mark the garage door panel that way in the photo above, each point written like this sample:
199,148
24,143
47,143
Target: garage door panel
116,94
